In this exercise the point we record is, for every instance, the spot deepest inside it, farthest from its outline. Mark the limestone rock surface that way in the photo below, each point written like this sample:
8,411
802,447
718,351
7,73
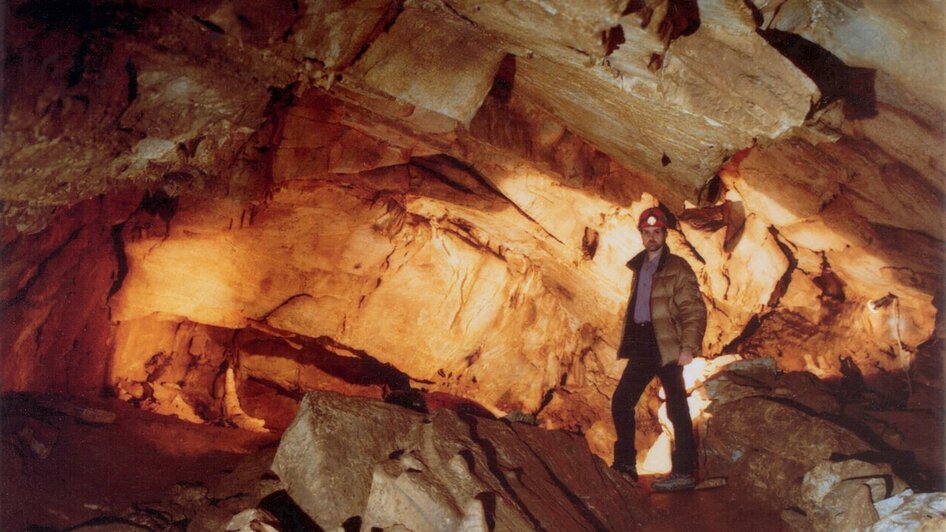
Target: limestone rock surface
911,511
441,194
346,458
841,495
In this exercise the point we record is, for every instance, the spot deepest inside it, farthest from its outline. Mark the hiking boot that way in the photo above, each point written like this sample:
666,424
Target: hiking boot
629,471
675,482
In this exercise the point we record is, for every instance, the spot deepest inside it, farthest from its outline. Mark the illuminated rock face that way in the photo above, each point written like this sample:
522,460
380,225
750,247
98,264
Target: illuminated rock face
338,199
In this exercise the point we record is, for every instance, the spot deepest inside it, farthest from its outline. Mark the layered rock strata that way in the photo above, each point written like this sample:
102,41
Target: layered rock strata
307,193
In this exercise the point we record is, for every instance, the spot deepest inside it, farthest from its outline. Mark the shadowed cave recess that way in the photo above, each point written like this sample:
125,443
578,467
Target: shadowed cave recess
361,264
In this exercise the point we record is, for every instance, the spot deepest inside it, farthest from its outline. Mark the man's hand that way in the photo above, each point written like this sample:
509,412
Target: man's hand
686,356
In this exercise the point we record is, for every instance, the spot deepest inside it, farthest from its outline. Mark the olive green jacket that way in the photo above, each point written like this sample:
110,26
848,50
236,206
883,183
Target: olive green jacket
676,308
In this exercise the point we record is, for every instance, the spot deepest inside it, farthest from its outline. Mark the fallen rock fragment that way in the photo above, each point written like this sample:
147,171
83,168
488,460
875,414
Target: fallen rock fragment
880,480
253,520
346,457
711,483
910,512
37,436
847,506
82,412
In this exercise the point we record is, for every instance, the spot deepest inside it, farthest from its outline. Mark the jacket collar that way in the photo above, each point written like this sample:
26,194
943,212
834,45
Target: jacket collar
638,260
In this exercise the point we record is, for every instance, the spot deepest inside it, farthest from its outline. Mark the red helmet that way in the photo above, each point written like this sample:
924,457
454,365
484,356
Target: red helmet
653,217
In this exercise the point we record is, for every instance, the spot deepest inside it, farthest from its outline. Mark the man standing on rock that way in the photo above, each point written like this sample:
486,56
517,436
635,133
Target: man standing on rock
663,331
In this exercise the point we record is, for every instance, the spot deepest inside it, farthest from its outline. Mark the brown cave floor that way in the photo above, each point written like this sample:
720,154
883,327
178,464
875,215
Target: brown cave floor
95,470
711,510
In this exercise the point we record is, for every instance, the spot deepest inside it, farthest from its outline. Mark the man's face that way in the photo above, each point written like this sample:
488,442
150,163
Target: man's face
653,237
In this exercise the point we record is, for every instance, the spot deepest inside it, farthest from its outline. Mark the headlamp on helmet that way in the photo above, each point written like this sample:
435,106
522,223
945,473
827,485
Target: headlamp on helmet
653,217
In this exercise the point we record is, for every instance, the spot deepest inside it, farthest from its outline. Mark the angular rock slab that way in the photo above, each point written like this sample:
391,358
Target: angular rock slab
841,495
432,61
911,511
766,445
346,457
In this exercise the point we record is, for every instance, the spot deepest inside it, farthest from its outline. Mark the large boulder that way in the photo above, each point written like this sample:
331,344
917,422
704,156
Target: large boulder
347,459
754,417
780,440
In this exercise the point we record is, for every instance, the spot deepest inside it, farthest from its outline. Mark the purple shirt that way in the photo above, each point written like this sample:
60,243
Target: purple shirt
645,280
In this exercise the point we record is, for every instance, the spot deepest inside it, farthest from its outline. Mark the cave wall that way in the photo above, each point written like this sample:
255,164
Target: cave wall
57,333
315,198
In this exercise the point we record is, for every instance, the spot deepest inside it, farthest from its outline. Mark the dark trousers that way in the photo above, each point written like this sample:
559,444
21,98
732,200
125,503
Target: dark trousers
642,367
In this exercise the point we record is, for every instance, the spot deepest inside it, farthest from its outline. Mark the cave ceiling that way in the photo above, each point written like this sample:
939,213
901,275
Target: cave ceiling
451,186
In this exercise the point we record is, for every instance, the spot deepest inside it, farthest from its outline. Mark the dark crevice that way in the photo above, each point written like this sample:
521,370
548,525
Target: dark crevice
75,72
580,52
546,399
372,370
285,302
358,368
160,204
104,522
280,99
711,191
750,329
473,173
209,25
612,39
757,17
424,163
247,23
682,19
633,6
492,462
504,80
352,524
471,359
410,399
674,223
118,246
782,285
832,287
383,26
459,15
132,72
458,165
461,229
289,515
589,243
278,389
853,86
655,62
488,500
